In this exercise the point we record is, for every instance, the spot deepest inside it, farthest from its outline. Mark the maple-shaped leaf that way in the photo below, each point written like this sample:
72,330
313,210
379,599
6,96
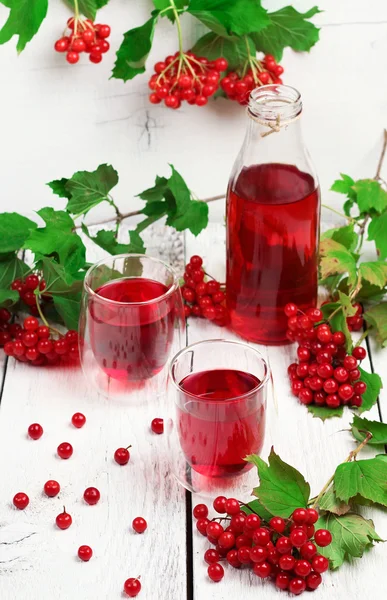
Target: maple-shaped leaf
57,238
365,478
352,535
376,316
374,385
377,233
360,427
330,503
24,20
282,488
324,412
370,195
335,258
88,7
59,282
166,9
346,236
287,28
14,230
374,272
225,18
106,239
233,49
255,507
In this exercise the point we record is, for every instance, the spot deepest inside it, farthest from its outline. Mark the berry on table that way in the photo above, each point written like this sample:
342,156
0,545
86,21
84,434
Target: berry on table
65,450
21,500
78,420
132,587
35,431
122,455
51,488
211,556
200,511
85,553
232,506
219,504
91,495
139,525
157,425
63,520
215,572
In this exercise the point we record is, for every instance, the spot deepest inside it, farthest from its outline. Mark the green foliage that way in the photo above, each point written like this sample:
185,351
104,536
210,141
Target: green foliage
88,7
324,412
223,17
14,230
374,385
233,49
134,50
24,20
360,427
364,478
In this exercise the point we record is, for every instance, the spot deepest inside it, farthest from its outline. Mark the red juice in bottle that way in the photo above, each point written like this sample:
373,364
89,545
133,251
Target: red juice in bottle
273,208
222,422
131,336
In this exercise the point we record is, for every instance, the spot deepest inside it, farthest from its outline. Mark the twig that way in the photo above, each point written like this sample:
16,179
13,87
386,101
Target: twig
350,219
381,159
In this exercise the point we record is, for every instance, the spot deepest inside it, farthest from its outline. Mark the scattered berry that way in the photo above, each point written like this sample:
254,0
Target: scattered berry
78,419
91,495
51,488
65,450
122,455
35,431
215,572
63,520
21,500
132,587
139,524
85,553
157,426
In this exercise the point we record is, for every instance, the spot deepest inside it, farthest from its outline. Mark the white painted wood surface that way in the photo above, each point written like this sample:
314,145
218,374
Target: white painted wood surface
43,103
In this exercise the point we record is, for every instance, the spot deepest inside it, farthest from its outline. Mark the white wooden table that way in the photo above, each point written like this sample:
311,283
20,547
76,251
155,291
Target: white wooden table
37,561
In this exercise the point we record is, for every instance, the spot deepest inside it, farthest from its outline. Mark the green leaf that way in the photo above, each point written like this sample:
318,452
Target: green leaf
345,301
338,322
195,218
155,193
366,478
287,28
256,507
282,488
58,186
59,282
376,316
370,195
374,385
68,308
360,426
106,239
24,20
377,232
14,230
346,236
374,272
335,258
233,49
11,269
88,7
331,503
90,188
134,50
58,239
164,4
226,18
344,186
351,536
324,412
180,191
8,297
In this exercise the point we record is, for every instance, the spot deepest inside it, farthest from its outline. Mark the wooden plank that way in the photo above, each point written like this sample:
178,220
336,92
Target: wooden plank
38,557
313,447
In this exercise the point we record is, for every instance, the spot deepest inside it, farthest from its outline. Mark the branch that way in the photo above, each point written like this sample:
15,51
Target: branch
382,155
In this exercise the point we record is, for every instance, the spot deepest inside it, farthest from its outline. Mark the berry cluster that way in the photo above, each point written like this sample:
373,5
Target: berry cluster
27,291
356,322
202,298
84,36
326,374
283,549
34,343
185,77
261,73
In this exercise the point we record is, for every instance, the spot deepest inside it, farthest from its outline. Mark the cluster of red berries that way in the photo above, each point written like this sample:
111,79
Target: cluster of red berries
84,36
34,343
27,291
202,298
263,73
326,374
356,322
283,549
185,77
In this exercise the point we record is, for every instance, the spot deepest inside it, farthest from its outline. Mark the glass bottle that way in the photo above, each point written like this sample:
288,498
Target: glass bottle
273,213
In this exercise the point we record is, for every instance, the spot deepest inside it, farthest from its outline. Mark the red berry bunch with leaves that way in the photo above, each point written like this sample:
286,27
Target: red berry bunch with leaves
286,550
325,374
203,298
84,36
255,74
356,322
185,77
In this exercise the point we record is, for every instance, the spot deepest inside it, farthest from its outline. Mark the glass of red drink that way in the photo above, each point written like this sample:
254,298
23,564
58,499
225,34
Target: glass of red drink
218,419
131,321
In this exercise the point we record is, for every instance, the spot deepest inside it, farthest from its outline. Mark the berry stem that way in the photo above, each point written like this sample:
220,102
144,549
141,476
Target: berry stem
178,25
251,62
41,315
337,212
362,338
382,155
351,456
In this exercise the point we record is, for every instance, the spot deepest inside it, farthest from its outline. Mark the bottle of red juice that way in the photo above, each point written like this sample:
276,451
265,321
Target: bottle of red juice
273,212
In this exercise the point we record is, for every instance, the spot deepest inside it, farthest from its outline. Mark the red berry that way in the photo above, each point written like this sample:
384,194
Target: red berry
61,346
287,562
72,57
312,516
300,516
43,332
211,556
218,297
132,587
62,45
196,261
325,370
322,537
45,346
21,500
154,99
354,375
313,581
320,564
139,524
35,431
359,352
157,425
330,386
350,363
201,100
91,495
78,45
51,488
298,537
31,324
85,553
30,338
278,524
308,550
338,338
103,31
215,572
65,450
63,520
305,396
252,522
324,334
258,554
8,348
32,354
78,420
226,540
345,392
88,36
244,555
232,506
214,530
172,102
122,456
314,314
18,348
297,585
284,545
200,511
95,57
221,64
201,526
264,77
282,581
360,387
263,569
302,568
220,504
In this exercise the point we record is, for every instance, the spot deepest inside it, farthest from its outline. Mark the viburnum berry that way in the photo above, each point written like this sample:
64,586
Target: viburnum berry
78,420
91,495
63,520
139,525
201,525
211,556
157,425
21,500
132,587
219,504
238,88
215,572
35,431
85,553
322,537
84,37
200,511
51,488
65,450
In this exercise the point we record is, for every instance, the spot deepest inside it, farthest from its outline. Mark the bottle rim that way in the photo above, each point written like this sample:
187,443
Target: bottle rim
275,102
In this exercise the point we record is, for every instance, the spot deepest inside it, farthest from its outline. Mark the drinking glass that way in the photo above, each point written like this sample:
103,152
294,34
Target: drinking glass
218,401
131,322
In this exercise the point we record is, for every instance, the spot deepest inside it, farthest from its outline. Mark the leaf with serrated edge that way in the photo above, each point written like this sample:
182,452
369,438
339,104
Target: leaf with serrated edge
233,49
90,188
14,230
374,272
366,478
377,233
374,385
351,536
346,236
330,503
360,426
344,185
134,51
238,17
324,412
376,316
24,20
287,28
335,258
370,195
86,7
282,488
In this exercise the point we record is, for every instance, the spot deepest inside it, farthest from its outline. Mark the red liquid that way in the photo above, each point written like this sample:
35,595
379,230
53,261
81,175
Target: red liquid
272,242
131,342
217,433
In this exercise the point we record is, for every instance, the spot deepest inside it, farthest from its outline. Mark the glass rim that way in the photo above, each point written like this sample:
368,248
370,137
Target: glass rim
261,384
262,99
169,292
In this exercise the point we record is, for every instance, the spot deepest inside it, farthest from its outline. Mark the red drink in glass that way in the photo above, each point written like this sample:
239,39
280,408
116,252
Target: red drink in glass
131,336
220,421
272,241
